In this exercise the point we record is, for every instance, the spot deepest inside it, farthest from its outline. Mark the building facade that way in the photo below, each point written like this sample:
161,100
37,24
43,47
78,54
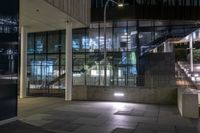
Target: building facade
36,16
133,47
64,51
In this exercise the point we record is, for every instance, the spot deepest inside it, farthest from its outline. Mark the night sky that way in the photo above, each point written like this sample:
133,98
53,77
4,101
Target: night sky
9,7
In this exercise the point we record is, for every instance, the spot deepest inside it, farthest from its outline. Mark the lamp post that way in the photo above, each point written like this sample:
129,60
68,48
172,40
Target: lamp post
120,4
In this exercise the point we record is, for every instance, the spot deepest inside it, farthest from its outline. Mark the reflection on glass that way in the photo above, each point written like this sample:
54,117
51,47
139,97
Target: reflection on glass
121,64
9,46
42,68
47,64
40,43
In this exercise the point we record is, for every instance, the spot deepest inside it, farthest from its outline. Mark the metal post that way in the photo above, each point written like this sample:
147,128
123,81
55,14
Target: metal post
23,63
191,54
105,52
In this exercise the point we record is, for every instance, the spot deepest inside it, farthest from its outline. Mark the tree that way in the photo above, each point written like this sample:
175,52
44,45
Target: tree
196,56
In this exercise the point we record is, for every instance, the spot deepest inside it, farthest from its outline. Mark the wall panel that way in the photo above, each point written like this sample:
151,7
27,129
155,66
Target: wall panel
79,9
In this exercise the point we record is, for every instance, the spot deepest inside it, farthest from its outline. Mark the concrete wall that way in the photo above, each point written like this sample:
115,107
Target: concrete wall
79,92
159,73
138,95
188,103
160,70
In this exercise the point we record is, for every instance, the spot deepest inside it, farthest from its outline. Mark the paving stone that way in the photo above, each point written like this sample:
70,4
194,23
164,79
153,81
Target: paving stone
135,112
151,113
61,126
174,120
156,127
131,113
152,108
165,132
121,124
146,119
123,113
143,131
140,106
87,121
122,130
75,113
21,127
38,116
184,129
68,119
38,123
93,129
104,117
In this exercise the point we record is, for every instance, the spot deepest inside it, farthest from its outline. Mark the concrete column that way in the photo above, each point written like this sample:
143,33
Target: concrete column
191,54
168,47
68,62
165,47
23,63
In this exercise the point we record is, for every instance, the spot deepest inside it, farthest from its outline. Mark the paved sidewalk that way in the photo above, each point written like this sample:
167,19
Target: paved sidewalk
55,115
21,127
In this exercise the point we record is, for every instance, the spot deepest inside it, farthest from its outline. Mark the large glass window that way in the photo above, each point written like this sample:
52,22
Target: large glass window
54,42
31,47
46,61
46,57
40,43
79,42
79,68
120,39
94,40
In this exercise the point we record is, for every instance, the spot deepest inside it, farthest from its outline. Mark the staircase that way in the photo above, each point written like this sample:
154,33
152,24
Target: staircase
170,35
55,80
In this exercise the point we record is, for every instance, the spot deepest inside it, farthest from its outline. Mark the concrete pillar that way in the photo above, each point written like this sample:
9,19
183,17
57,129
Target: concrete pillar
68,62
165,47
23,63
168,47
191,54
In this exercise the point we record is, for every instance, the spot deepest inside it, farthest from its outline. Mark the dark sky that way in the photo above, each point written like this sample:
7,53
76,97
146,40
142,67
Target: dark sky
9,7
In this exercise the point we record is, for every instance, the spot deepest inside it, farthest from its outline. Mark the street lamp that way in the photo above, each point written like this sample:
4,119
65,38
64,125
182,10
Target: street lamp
119,4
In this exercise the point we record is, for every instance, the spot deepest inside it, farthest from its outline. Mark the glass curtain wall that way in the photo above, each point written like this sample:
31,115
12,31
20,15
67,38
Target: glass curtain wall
126,42
88,55
46,57
46,61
